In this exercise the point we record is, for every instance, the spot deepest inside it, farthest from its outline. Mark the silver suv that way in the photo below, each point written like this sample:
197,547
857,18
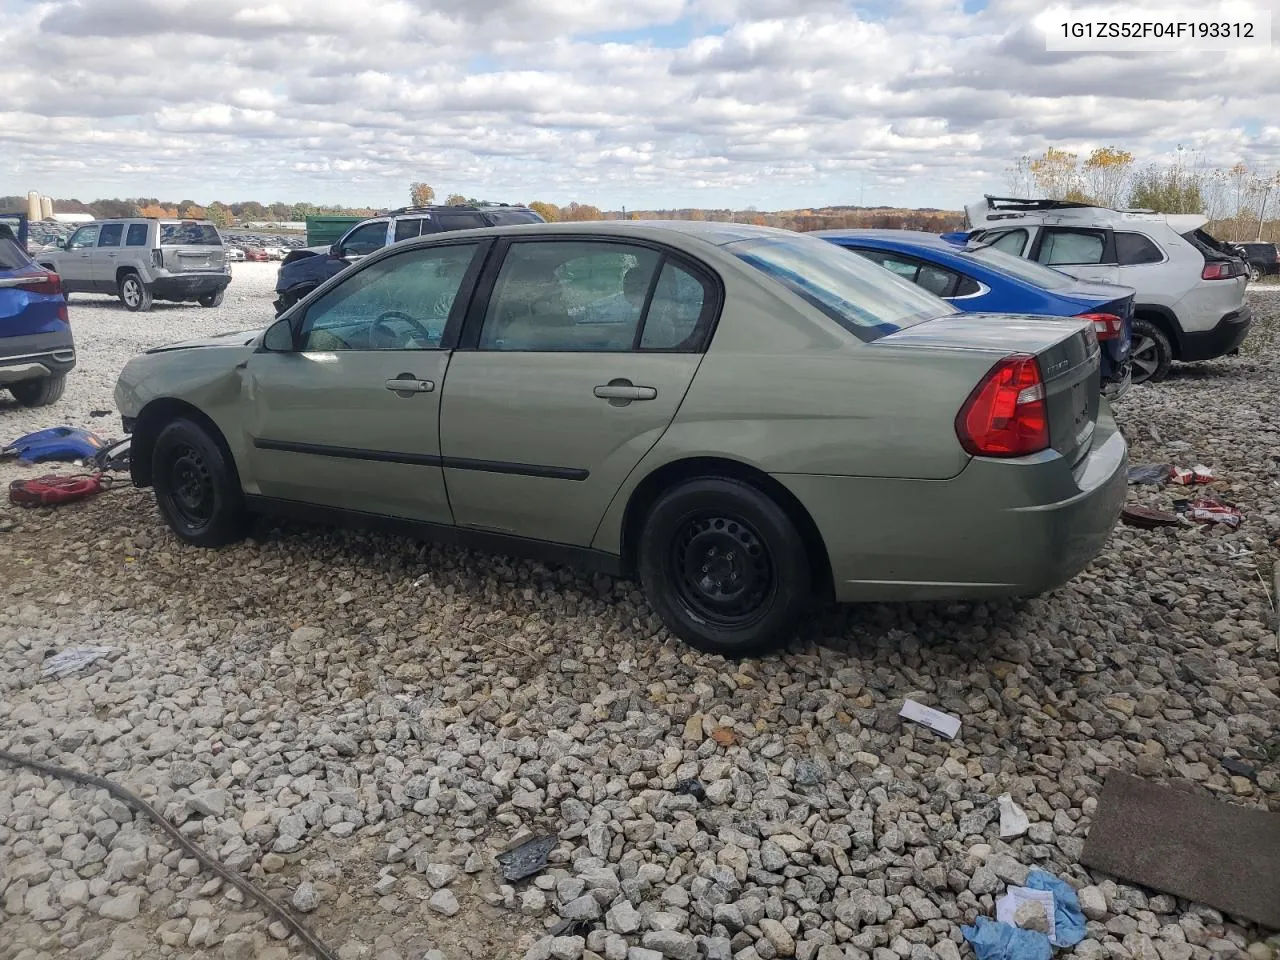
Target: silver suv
141,260
1189,302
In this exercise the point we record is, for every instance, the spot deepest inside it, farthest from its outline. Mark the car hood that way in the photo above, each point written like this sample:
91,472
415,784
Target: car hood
236,338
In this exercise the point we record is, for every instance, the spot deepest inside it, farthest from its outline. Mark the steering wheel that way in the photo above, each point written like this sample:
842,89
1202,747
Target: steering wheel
390,334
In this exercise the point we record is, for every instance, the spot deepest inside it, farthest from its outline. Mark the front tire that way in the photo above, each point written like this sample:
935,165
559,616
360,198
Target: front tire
213,299
1151,355
134,293
39,393
724,567
197,488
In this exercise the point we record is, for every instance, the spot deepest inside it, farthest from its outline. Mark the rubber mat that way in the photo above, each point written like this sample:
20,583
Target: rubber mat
1190,845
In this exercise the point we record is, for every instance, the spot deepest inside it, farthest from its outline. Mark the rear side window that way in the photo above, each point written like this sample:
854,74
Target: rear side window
864,299
1072,246
460,221
110,235
1134,248
137,236
189,235
501,218
937,280
1011,242
407,228
11,255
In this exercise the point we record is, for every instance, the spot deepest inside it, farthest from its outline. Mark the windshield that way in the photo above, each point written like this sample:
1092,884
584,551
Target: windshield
189,235
865,299
1028,270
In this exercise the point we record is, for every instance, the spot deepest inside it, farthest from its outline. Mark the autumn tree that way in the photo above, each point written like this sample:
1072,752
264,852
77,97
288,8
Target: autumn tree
1056,173
456,200
219,214
421,194
155,210
581,211
192,211
547,211
1106,176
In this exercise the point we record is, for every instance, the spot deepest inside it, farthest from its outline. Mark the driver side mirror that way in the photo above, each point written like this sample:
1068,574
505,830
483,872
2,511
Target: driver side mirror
335,250
279,337
60,243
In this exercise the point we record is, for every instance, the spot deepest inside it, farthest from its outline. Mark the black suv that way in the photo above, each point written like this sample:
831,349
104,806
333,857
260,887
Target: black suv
305,269
1262,259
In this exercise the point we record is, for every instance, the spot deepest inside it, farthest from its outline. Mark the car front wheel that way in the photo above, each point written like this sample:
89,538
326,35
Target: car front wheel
724,567
196,486
1150,353
134,293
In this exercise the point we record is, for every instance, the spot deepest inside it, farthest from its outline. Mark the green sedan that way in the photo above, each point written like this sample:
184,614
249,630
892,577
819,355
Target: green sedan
750,421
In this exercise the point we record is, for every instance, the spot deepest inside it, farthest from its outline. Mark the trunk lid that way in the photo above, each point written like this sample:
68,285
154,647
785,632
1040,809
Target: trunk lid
1066,350
191,246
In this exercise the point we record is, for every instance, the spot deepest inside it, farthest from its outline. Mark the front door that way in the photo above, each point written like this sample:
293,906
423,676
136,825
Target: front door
564,381
75,265
351,418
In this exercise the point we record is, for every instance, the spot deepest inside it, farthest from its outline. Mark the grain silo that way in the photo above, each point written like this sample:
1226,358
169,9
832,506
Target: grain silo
46,208
33,205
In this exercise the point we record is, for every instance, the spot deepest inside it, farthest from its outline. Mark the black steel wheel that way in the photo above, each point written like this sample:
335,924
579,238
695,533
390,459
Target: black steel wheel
197,487
723,570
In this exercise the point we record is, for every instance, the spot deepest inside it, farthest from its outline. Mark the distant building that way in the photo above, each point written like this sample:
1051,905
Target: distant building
73,217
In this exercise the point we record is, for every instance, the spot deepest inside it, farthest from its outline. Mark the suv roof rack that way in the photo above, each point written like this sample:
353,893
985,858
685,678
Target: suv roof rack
443,207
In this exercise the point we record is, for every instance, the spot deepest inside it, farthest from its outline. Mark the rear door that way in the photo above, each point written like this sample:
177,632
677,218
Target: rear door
191,246
1085,252
106,257
575,359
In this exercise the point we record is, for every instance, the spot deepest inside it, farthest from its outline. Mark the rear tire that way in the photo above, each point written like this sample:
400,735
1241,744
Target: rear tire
724,567
39,393
1255,273
197,488
1151,355
134,293
213,299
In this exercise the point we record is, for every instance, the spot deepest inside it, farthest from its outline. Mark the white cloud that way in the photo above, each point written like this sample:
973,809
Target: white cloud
651,103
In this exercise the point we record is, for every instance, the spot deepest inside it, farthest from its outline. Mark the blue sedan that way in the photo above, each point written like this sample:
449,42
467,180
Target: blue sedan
987,280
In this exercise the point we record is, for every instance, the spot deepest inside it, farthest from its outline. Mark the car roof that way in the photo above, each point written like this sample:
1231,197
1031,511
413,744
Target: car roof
711,232
914,238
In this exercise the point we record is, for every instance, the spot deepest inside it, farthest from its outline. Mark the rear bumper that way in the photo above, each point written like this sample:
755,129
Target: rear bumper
1227,334
36,356
999,528
189,286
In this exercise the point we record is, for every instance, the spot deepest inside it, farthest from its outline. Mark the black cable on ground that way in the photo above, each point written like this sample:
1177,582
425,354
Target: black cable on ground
226,873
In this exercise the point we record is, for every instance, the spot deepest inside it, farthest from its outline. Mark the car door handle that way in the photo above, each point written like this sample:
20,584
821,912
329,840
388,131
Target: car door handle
625,391
407,384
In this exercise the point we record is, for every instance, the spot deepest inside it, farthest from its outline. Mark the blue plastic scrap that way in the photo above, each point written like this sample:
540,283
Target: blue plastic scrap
1068,918
993,940
55,443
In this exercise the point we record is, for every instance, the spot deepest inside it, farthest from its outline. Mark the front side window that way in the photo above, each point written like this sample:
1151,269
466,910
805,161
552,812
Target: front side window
1072,246
137,235
400,303
1133,249
864,299
84,237
365,239
110,234
569,296
189,235
1012,242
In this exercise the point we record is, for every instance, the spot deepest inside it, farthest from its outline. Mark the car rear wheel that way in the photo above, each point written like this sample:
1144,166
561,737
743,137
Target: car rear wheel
196,486
1255,273
134,293
213,299
39,393
1150,353
724,567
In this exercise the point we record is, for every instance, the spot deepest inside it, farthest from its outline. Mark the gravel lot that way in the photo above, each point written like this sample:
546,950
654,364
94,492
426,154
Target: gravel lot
361,722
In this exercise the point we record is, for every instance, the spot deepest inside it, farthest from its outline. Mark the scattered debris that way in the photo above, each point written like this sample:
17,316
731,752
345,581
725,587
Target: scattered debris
944,723
99,413
692,788
724,736
74,658
1197,474
1028,909
1152,473
1210,510
52,490
993,940
1066,919
528,858
1147,518
55,443
1013,819
1238,768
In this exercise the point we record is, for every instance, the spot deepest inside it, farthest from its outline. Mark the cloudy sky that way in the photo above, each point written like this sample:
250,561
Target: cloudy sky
642,103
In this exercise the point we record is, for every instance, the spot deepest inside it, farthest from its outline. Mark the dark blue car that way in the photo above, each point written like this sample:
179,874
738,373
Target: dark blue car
36,349
985,280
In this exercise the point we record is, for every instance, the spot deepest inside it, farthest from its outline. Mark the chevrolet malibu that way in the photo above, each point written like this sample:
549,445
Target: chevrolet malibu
747,420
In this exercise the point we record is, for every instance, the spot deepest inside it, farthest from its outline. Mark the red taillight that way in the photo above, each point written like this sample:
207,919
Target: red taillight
49,284
1217,270
1005,416
1107,326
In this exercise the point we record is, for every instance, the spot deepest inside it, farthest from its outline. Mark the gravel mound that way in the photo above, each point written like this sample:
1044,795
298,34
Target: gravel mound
361,723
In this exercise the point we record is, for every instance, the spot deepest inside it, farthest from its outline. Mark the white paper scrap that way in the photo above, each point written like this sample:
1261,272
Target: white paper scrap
1013,821
73,659
1015,897
943,723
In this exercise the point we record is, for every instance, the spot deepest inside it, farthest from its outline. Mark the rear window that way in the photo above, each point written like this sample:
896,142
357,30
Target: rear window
12,256
189,235
1034,273
866,300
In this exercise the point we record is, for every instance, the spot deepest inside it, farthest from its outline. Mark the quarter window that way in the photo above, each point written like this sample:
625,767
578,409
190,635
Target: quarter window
1072,246
400,303
1011,241
1134,248
110,235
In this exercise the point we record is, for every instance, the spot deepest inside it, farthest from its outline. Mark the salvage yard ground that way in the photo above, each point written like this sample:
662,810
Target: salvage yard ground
361,722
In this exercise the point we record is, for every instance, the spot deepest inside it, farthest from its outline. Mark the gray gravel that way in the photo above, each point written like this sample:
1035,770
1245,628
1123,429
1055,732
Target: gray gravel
361,723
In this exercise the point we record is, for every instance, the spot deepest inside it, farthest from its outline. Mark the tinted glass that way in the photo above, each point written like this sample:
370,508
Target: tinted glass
366,239
189,235
137,236
864,299
570,295
677,311
936,280
400,303
1072,246
110,234
1013,242
460,221
1134,248
501,218
407,228
1028,270
84,237
12,256
966,287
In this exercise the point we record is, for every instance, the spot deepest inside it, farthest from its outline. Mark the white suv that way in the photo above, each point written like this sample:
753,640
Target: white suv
1190,287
